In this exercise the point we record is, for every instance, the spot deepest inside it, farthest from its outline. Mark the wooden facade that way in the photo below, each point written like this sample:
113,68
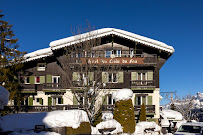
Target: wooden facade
133,65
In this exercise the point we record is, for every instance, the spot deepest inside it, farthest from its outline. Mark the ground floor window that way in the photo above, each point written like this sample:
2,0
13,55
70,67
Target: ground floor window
55,100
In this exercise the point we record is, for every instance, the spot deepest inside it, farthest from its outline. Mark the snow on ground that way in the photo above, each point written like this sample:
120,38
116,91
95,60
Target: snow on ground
68,118
33,133
4,97
141,126
123,94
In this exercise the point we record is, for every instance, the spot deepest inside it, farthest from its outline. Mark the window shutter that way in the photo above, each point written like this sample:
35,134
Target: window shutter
104,100
133,76
61,100
149,99
49,101
120,77
42,79
30,101
150,75
75,76
49,78
104,77
144,100
32,79
41,101
75,101
91,76
135,100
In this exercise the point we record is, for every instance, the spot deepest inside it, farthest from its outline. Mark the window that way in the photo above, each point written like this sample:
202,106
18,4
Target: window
37,79
27,80
118,53
140,100
142,77
115,53
39,100
41,66
57,100
110,100
108,53
131,53
55,81
112,77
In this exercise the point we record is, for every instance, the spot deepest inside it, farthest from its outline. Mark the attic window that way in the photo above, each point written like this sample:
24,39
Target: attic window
41,66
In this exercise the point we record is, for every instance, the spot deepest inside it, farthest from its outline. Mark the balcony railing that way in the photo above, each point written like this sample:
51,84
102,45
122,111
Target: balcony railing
149,108
41,108
143,83
38,87
137,108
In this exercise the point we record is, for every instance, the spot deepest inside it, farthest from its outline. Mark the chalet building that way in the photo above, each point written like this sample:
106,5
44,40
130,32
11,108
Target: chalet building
124,60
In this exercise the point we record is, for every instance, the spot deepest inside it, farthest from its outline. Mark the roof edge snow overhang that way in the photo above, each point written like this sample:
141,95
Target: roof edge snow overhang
38,54
109,31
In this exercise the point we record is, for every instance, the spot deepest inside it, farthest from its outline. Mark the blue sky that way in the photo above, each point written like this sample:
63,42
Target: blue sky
178,23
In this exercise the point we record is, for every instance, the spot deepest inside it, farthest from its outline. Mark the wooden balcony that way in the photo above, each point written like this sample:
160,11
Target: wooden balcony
142,84
53,86
30,88
150,109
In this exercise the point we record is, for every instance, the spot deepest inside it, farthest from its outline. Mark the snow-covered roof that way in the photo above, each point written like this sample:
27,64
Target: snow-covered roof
108,31
38,54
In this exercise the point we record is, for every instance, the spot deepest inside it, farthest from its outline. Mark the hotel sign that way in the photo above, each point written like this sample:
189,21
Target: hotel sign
112,61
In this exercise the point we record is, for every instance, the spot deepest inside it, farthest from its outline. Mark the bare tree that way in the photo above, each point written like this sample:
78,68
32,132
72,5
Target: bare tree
185,106
87,81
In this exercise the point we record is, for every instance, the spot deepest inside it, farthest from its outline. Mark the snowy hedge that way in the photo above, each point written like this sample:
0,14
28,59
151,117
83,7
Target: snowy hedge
66,118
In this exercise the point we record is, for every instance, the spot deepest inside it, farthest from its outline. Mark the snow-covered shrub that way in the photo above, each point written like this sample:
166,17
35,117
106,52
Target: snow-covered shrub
109,124
124,111
141,128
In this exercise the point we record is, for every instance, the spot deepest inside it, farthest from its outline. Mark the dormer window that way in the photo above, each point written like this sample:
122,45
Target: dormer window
41,67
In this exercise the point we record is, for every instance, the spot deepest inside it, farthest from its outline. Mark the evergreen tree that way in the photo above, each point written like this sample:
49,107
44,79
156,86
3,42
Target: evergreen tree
124,114
10,60
142,113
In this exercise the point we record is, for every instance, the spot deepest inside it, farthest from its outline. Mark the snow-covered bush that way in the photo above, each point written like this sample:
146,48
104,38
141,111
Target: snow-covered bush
124,111
4,97
109,124
141,128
